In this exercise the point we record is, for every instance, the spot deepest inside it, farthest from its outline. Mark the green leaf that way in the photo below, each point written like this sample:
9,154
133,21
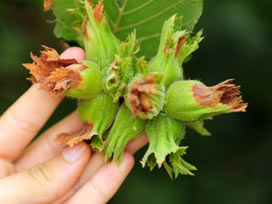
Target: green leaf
146,16
69,16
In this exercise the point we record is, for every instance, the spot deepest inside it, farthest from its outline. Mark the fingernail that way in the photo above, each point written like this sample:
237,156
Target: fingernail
72,154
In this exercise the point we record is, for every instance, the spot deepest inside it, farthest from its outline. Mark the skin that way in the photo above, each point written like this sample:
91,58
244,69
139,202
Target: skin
46,172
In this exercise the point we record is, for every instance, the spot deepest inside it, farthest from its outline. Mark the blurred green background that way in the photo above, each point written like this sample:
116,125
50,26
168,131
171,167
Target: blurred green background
235,163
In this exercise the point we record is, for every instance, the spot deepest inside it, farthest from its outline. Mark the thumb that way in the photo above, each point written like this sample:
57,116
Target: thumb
46,182
73,53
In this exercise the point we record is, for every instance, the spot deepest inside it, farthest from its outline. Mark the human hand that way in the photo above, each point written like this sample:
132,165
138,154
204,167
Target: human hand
44,172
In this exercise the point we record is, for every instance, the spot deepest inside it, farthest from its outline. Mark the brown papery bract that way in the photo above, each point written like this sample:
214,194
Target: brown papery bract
139,94
47,5
181,42
84,29
62,79
53,73
98,11
225,93
75,138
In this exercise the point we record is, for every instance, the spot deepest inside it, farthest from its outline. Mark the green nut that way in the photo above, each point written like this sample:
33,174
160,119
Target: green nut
90,84
100,113
145,95
192,100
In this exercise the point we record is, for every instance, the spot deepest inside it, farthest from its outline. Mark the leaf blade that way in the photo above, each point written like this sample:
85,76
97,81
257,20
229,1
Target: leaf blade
147,18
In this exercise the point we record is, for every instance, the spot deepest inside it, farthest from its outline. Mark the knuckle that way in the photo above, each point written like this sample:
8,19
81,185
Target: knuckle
6,168
42,174
21,124
97,190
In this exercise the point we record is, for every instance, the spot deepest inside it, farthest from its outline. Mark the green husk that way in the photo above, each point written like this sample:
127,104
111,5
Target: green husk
198,126
145,95
125,127
181,103
91,83
165,61
165,134
119,73
99,42
100,112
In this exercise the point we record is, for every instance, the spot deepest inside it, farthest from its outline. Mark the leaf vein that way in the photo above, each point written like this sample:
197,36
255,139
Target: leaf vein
116,4
149,37
148,19
116,25
138,8
61,21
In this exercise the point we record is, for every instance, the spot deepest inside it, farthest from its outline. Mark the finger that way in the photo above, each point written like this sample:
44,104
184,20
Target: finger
46,182
73,53
6,168
97,161
134,145
23,120
104,184
45,147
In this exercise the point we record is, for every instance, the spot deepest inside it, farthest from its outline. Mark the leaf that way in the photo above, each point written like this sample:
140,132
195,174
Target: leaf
69,16
146,16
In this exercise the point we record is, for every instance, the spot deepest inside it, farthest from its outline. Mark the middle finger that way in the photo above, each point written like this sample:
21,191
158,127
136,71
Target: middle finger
45,147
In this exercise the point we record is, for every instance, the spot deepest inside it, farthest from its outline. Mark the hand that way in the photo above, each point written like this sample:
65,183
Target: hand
44,171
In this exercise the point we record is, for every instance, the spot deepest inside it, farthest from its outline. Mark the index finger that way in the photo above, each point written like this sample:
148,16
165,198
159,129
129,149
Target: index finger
23,120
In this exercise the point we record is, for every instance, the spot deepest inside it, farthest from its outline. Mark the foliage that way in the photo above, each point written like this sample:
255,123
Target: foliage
146,16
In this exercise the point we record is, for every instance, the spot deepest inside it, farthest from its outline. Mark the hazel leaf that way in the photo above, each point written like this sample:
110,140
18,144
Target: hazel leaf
69,17
147,16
